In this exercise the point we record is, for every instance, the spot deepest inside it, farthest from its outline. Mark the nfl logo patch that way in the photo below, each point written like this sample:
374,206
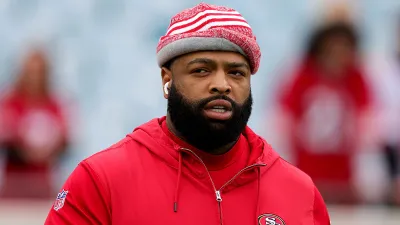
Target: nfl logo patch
59,203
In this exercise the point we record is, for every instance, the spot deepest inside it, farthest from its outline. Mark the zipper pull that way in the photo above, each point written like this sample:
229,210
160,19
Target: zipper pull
218,194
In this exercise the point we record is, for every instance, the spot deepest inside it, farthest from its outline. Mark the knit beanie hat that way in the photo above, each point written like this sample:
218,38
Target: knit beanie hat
209,28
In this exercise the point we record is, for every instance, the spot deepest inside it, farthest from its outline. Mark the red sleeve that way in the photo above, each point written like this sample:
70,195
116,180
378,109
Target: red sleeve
85,200
361,90
3,129
287,95
7,118
320,212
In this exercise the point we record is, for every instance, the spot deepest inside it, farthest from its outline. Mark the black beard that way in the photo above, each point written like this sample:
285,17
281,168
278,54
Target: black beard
204,133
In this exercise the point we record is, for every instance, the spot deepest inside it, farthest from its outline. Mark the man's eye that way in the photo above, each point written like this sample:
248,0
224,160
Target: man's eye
237,73
200,71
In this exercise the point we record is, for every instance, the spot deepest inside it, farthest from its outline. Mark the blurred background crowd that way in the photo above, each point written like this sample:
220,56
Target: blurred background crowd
76,76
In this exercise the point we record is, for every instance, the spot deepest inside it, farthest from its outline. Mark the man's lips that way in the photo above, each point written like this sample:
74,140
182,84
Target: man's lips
218,109
219,104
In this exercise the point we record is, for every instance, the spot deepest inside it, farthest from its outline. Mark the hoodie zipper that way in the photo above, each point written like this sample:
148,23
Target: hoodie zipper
218,192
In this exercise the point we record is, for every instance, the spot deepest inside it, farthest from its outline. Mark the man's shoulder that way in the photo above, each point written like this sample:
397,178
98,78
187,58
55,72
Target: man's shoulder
281,169
292,176
115,155
133,148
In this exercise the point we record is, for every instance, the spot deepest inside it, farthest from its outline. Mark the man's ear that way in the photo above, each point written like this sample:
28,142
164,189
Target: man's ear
166,77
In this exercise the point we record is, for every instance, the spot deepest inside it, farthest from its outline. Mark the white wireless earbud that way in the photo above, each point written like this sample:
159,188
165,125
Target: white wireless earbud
166,88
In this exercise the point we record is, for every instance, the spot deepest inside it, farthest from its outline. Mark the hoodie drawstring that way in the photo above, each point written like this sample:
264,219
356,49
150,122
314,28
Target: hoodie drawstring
258,193
178,182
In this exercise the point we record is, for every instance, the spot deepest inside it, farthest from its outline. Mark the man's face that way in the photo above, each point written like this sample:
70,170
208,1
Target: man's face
209,102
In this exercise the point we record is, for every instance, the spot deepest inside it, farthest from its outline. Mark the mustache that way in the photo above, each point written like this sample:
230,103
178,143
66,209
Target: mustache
202,103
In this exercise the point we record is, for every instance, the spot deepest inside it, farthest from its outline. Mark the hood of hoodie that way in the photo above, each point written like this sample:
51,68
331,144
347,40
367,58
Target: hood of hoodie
152,136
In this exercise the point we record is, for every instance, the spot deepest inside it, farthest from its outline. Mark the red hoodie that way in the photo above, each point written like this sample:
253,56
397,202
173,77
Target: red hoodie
147,178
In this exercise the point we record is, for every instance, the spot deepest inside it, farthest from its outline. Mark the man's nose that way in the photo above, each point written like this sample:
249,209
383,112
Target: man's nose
220,84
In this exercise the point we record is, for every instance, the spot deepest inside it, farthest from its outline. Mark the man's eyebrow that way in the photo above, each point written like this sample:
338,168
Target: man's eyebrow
201,60
237,64
227,64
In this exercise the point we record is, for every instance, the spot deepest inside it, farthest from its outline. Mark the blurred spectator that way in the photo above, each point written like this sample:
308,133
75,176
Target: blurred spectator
385,70
33,131
323,110
391,144
392,153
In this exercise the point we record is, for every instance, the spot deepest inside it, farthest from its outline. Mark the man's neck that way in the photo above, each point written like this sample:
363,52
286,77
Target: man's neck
218,151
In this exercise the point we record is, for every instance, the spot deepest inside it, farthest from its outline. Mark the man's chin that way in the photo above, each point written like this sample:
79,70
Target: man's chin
218,125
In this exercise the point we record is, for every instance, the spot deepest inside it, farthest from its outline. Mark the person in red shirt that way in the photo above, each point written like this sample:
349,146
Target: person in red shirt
33,132
200,164
324,105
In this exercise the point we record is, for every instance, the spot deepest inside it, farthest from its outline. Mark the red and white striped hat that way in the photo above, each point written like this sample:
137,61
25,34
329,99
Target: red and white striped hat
209,28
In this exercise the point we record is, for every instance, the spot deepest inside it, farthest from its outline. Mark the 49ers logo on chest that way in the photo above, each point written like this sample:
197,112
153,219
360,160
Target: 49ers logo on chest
270,219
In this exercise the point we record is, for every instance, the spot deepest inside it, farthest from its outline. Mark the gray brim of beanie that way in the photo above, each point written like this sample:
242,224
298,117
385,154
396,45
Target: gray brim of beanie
195,44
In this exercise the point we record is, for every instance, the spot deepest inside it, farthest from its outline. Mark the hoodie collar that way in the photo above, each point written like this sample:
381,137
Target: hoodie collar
152,136
213,162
